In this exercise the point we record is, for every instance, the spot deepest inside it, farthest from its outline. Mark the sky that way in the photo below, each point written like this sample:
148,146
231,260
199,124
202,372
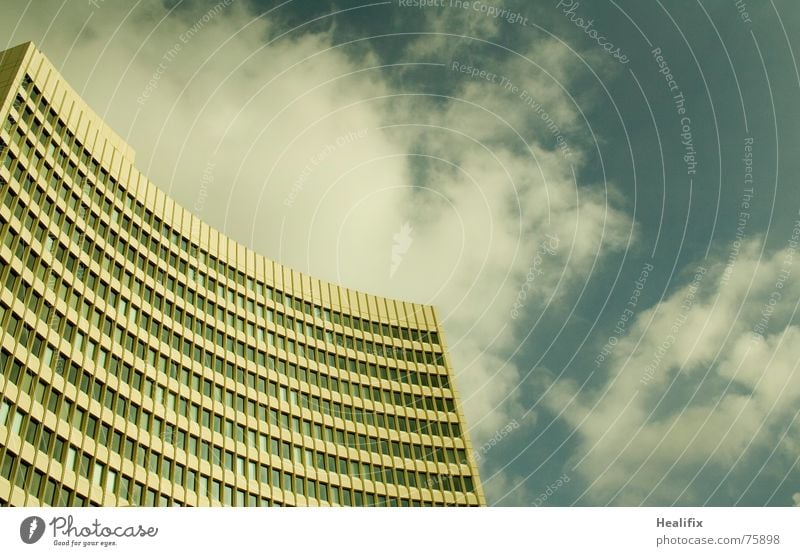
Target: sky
601,199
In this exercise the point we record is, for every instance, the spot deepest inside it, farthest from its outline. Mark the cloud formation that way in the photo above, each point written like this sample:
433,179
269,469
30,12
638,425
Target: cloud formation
697,392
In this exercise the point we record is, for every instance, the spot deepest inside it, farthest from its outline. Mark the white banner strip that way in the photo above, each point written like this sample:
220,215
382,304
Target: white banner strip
400,531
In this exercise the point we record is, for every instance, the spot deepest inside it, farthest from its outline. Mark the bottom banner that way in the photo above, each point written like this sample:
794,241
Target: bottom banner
398,531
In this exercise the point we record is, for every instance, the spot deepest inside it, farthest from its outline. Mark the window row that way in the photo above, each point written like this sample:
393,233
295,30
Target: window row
72,458
158,427
60,149
120,333
194,320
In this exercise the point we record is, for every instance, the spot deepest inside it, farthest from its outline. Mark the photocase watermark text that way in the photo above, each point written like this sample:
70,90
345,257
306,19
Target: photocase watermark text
488,10
498,437
549,247
527,98
402,241
743,216
321,156
785,272
677,324
569,9
687,140
627,315
172,52
550,490
205,182
743,13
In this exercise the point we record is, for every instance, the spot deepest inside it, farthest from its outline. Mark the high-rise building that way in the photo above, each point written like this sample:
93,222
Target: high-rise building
147,359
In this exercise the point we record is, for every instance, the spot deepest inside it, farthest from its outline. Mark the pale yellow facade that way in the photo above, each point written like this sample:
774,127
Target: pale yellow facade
148,359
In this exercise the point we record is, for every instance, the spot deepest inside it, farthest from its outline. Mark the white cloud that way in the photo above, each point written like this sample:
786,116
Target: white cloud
715,393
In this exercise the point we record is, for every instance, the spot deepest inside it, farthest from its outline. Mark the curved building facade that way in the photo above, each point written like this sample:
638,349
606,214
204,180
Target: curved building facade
147,359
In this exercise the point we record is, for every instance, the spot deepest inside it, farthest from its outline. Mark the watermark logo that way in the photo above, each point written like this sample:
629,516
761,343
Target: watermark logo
66,532
569,9
31,529
402,243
